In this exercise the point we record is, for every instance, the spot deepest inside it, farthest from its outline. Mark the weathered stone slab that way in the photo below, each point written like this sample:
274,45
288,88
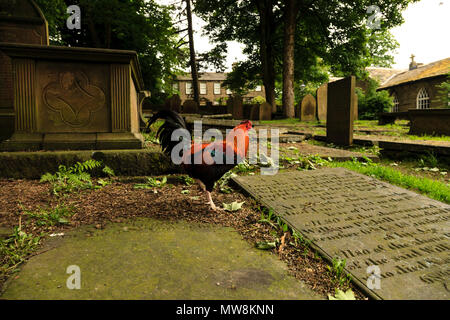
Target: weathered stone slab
368,223
340,111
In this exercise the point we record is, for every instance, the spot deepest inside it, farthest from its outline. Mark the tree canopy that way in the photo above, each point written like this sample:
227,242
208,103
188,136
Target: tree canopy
331,36
140,25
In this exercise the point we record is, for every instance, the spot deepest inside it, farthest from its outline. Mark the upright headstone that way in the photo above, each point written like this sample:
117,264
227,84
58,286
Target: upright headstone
21,21
322,93
308,108
190,106
340,111
238,110
265,111
254,112
230,105
173,103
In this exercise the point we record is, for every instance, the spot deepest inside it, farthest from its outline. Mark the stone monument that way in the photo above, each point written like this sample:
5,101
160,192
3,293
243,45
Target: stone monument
74,98
322,93
341,111
308,108
190,106
238,109
21,21
265,111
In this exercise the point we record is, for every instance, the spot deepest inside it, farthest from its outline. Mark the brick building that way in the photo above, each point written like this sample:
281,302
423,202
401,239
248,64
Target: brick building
417,88
210,88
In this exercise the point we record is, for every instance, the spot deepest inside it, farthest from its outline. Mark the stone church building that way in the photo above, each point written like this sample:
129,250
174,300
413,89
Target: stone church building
417,88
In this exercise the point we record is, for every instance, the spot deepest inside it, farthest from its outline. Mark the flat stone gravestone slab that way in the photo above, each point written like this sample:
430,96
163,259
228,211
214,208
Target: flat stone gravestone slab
370,224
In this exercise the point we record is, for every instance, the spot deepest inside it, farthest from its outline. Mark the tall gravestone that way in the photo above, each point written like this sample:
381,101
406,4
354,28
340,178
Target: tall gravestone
21,21
308,108
322,93
190,106
340,111
238,108
265,111
173,103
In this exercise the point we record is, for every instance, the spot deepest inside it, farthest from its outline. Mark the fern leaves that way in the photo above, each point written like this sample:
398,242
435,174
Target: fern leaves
75,178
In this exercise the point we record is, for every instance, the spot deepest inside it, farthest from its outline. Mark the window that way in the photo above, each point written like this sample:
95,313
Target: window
175,87
216,88
396,103
188,87
423,99
258,88
202,87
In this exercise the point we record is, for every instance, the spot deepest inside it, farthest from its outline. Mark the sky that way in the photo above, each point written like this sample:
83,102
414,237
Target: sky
425,33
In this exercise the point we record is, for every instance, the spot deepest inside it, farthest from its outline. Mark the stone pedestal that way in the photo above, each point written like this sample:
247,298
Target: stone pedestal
341,111
74,98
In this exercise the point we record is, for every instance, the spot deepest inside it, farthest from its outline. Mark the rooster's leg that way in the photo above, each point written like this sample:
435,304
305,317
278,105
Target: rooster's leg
208,195
211,202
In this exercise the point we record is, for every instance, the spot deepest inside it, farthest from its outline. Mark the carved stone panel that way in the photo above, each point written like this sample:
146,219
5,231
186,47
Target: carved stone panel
72,97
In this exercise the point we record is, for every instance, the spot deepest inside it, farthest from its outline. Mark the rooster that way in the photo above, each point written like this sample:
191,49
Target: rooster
208,171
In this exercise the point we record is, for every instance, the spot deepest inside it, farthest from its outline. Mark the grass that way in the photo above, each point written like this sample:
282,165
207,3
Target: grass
51,216
15,249
432,188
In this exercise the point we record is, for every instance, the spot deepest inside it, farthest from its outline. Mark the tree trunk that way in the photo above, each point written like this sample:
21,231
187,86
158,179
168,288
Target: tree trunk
192,53
290,15
266,49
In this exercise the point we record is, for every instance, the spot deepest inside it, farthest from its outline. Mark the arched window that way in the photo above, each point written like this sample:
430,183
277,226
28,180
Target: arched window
396,103
423,99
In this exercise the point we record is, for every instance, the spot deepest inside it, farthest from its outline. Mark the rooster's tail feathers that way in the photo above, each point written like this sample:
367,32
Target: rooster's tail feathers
173,121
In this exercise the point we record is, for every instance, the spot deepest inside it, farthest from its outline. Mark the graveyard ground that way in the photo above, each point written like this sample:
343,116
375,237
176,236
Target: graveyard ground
35,212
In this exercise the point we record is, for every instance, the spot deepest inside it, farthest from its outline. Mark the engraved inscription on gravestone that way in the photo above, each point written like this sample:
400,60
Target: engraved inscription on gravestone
368,223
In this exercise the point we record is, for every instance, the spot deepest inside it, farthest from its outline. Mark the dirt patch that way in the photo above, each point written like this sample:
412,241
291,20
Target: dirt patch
119,201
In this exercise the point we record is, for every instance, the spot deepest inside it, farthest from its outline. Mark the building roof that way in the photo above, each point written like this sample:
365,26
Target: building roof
377,73
205,76
429,70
